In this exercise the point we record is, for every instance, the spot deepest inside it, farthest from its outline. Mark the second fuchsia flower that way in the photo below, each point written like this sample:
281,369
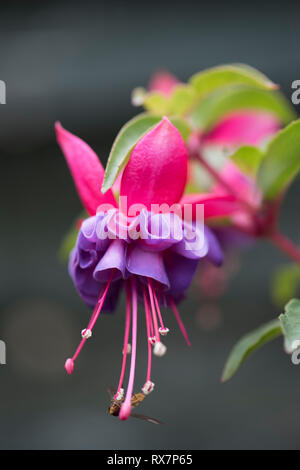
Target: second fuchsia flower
151,253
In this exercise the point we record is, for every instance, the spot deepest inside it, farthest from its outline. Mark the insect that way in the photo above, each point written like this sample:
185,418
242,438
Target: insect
136,399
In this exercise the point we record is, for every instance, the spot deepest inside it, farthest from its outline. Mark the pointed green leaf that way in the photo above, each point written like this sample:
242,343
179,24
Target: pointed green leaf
285,283
290,323
214,78
211,109
128,136
248,159
282,161
248,344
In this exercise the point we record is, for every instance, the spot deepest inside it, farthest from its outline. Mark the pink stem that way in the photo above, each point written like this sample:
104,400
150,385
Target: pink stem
158,310
180,323
126,336
224,183
148,319
157,337
126,406
286,246
94,316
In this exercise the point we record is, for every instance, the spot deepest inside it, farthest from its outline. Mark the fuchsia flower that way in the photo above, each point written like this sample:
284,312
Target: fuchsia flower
156,267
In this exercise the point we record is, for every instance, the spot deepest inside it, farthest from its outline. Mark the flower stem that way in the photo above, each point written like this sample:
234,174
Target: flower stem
286,246
224,183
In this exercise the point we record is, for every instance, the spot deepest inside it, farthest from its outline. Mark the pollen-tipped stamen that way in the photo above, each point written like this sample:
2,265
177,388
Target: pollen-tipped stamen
163,330
126,406
126,337
70,362
153,311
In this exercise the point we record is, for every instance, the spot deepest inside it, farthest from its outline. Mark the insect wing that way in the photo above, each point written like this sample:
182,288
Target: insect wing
146,418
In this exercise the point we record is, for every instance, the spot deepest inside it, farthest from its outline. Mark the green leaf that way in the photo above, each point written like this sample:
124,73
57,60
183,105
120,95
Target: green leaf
285,283
212,108
290,323
178,103
128,136
248,159
214,78
155,102
248,344
182,99
282,161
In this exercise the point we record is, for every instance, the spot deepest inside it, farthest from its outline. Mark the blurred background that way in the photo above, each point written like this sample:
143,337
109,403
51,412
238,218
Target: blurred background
77,62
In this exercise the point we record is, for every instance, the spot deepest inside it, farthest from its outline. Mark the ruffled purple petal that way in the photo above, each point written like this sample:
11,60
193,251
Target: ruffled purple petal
194,244
146,264
180,271
159,231
113,258
167,252
214,254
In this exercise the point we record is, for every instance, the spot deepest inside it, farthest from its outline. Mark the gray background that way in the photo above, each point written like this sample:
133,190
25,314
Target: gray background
77,62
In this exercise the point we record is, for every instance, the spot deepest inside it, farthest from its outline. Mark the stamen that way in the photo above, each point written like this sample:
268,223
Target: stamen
148,317
118,396
159,349
155,322
148,387
126,406
69,364
179,321
163,330
86,333
126,336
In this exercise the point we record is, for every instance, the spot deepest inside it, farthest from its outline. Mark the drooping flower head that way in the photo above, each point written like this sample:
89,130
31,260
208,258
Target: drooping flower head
144,244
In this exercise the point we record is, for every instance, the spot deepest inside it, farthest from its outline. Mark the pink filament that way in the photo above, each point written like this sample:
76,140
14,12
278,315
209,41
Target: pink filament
126,406
94,316
148,320
158,310
180,323
153,311
126,336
